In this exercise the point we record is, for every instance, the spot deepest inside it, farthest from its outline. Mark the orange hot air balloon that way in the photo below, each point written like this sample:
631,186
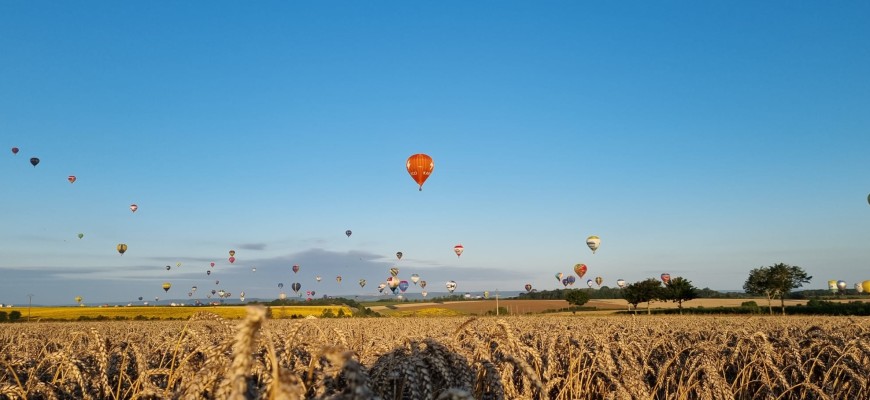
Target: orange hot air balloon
580,270
71,178
420,166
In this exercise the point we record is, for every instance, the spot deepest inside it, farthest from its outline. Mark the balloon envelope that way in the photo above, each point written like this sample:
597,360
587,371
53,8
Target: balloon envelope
166,286
394,271
81,235
348,232
14,150
34,161
295,268
458,249
598,280
133,207
420,167
232,253
528,287
593,242
296,286
122,248
399,255
451,286
403,286
232,259
620,282
422,284
866,286
362,283
71,178
666,277
580,270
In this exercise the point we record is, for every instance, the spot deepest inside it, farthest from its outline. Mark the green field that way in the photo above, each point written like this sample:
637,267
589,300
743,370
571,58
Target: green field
163,312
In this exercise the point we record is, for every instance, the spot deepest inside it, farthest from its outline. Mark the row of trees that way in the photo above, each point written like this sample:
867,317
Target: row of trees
677,289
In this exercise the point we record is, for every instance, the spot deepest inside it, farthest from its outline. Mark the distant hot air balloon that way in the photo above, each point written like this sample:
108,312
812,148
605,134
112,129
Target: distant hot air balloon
666,277
458,249
34,161
212,265
282,296
208,272
394,271
280,286
348,232
189,294
403,286
392,282
528,287
317,278
620,283
859,288
140,298
598,280
841,285
178,264
122,248
415,278
832,286
133,207
580,270
565,282
14,150
381,287
232,259
559,276
213,291
81,235
253,269
571,280
420,167
193,289
217,282
399,255
296,286
78,299
166,286
362,283
593,242
168,268
451,286
589,283
424,293
232,253
422,284
71,178
338,279
295,268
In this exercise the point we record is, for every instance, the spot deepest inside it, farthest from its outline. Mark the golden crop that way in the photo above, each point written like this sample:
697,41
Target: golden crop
517,357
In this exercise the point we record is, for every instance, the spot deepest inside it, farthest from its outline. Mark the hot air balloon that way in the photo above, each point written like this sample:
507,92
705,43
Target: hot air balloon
580,270
859,288
348,232
832,286
189,294
528,287
362,283
565,282
420,166
666,277
213,291
559,276
403,286
620,283
451,286
280,286
317,278
193,289
295,268
217,282
178,264
598,280
296,286
133,207
232,253
34,161
458,249
424,293
232,259
212,265
593,242
253,269
381,287
422,284
589,283
571,280
166,286
140,298
242,296
122,248
208,272
168,268
81,235
156,298
14,150
282,296
399,255
338,279
78,299
394,271
868,198
415,278
841,285
71,178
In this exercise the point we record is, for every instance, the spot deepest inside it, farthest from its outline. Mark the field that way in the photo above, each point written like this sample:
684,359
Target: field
162,312
514,357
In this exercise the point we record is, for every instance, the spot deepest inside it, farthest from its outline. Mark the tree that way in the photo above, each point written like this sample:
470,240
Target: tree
14,316
642,292
679,290
776,280
576,297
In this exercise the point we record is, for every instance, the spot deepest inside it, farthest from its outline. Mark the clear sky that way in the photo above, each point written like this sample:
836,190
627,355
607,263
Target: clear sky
702,139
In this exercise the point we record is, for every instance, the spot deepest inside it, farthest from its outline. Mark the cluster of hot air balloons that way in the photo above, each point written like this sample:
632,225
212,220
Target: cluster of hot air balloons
838,286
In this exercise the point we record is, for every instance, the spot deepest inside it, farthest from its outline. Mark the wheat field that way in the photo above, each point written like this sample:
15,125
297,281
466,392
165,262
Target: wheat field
518,357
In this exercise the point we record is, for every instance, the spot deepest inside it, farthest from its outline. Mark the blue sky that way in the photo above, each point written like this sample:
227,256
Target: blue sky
702,139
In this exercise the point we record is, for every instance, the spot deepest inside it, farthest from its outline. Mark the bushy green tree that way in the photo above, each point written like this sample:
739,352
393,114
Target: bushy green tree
776,280
679,290
642,292
576,297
